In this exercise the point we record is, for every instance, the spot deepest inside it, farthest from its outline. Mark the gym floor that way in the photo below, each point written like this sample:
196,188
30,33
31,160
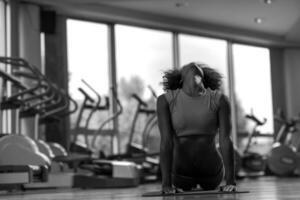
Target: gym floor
264,188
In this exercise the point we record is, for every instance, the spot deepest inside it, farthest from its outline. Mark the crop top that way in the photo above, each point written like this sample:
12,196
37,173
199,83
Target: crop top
194,115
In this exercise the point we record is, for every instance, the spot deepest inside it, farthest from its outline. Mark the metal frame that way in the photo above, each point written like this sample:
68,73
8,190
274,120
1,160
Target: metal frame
230,69
115,139
176,50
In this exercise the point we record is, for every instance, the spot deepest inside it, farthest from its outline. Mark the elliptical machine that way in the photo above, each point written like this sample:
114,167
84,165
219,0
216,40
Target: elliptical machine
21,162
103,173
92,106
138,153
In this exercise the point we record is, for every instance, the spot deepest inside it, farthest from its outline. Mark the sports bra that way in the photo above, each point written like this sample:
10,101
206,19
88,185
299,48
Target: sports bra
194,115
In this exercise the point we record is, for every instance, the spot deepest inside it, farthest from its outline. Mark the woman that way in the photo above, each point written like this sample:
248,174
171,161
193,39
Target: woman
190,114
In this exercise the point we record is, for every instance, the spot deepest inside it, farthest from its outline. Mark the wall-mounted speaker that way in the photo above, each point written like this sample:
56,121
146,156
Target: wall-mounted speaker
47,21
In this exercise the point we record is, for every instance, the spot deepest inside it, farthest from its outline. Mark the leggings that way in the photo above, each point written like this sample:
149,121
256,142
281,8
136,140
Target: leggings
206,183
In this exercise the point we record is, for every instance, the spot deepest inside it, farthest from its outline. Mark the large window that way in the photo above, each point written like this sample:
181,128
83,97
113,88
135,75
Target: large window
142,56
252,78
212,52
88,60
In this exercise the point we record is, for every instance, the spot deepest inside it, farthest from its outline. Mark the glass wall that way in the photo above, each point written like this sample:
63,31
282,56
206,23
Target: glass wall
252,86
212,52
88,60
142,55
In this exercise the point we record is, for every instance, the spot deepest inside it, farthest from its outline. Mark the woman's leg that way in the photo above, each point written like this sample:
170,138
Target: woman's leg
211,183
183,182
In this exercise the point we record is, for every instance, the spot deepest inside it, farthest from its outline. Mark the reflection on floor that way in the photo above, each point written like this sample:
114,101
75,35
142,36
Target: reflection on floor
264,188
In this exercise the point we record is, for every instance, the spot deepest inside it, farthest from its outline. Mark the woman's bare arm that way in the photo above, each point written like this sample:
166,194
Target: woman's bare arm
166,144
225,141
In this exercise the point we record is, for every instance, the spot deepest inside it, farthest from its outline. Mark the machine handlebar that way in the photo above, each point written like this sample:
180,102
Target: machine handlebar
139,100
24,74
12,79
94,91
86,95
256,120
279,117
152,91
52,99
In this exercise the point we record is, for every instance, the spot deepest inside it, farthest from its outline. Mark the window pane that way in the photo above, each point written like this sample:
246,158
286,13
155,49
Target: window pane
212,52
252,77
142,56
88,60
2,28
2,67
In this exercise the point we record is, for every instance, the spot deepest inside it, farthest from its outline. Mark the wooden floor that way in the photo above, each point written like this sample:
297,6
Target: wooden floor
264,188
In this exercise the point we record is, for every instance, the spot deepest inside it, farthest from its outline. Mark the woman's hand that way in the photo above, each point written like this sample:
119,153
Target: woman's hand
168,190
228,188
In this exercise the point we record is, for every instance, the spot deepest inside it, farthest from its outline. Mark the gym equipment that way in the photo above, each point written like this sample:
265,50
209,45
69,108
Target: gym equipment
21,150
192,192
63,167
251,161
45,104
101,131
108,174
150,124
282,159
89,105
117,173
142,108
138,153
9,103
39,104
15,176
18,164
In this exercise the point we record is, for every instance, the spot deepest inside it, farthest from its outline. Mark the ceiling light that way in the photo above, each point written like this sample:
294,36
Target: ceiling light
258,20
182,4
268,1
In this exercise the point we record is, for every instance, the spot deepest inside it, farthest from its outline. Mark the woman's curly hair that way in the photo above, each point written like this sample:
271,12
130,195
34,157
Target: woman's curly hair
173,79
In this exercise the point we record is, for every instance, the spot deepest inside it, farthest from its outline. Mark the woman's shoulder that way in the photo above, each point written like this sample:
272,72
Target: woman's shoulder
171,94
217,97
214,93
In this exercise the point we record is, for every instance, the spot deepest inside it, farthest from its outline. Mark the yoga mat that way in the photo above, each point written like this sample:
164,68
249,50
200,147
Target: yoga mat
193,192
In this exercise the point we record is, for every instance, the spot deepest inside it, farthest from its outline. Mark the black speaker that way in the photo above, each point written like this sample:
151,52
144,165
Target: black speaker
47,21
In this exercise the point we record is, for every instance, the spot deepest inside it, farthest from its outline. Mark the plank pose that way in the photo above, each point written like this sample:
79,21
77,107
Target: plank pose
190,114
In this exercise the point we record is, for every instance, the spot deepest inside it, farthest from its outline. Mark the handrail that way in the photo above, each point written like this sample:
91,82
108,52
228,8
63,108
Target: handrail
12,79
114,116
86,95
139,100
256,120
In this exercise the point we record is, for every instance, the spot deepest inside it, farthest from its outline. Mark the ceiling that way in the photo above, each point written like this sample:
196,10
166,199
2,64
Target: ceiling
280,19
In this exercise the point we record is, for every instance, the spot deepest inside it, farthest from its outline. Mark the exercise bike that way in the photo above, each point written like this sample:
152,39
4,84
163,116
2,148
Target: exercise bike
253,162
283,159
